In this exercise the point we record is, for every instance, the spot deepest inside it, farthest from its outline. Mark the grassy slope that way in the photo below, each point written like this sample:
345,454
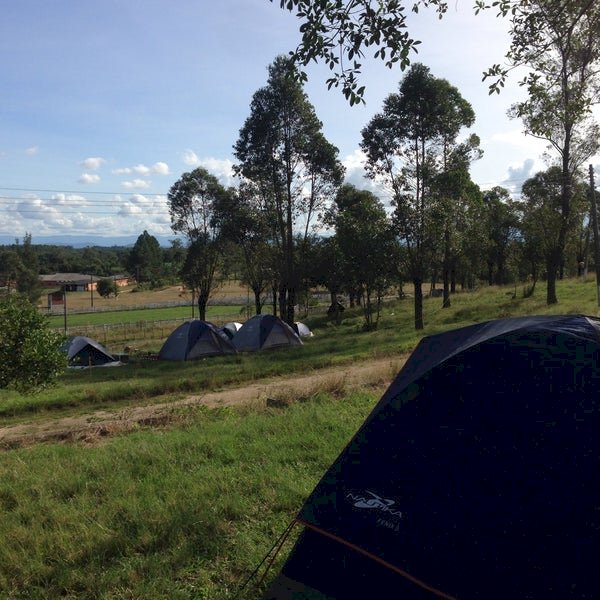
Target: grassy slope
188,511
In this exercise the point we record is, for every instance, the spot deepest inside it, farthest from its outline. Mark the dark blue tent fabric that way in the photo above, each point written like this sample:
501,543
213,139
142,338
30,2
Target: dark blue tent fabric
263,332
193,340
83,351
477,475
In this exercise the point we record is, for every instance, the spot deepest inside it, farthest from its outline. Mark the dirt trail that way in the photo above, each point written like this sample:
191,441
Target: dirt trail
92,427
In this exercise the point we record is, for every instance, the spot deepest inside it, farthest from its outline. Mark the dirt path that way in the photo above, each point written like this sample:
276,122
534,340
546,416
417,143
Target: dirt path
92,427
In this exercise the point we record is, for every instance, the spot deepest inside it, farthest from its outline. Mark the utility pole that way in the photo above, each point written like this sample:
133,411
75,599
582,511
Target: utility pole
594,211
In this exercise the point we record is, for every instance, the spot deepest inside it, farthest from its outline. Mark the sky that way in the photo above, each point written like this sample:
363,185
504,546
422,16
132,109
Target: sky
106,103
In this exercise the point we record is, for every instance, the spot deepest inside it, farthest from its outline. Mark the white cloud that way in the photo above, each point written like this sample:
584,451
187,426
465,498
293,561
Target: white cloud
142,170
190,158
32,151
93,163
222,169
160,168
519,173
122,171
89,178
135,184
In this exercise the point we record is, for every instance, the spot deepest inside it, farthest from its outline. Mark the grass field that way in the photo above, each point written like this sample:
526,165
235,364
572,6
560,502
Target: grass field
189,509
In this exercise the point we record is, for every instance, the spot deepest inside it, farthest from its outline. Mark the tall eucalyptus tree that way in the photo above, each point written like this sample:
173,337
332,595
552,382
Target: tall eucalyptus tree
192,201
557,40
283,152
407,145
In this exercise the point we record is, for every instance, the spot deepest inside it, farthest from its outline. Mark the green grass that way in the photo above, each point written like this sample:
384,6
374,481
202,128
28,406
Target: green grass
146,381
188,510
180,513
219,312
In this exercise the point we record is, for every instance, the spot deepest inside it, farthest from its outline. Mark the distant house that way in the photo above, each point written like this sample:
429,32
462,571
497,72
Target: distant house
77,282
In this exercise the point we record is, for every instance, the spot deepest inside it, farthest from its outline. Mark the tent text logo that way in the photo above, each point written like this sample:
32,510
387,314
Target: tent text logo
374,502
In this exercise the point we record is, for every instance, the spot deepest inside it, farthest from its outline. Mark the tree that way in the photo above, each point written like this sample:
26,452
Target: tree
107,287
501,222
192,200
365,239
31,354
296,170
28,276
557,41
339,33
542,217
245,223
406,147
145,260
10,265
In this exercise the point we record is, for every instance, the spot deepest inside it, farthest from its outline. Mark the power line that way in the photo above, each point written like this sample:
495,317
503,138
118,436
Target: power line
80,192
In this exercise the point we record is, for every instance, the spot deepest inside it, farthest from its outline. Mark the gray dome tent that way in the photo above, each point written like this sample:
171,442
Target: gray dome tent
475,476
230,329
195,339
263,332
85,352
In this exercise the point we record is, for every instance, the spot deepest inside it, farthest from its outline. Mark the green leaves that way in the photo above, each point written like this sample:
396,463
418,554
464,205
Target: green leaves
31,355
337,32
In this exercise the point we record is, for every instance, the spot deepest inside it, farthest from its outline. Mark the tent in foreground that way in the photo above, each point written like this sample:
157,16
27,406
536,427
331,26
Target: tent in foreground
193,340
85,352
263,332
475,476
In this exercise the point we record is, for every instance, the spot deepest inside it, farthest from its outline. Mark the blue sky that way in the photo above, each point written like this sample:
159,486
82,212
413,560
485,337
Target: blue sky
106,103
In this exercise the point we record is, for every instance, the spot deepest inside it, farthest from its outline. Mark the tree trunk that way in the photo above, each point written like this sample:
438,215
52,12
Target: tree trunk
446,297
552,267
257,301
202,303
418,284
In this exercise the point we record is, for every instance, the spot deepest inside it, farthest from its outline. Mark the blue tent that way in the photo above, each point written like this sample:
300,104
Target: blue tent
263,332
195,339
477,475
83,351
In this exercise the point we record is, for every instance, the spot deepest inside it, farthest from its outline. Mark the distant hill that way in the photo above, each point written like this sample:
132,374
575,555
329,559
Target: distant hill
82,241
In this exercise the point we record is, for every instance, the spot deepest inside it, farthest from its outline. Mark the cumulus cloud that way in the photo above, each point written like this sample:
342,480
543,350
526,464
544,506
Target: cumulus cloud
135,184
89,178
190,158
518,174
93,163
141,170
32,151
161,168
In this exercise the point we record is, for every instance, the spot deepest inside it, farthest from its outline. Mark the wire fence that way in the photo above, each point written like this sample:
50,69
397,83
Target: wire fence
132,333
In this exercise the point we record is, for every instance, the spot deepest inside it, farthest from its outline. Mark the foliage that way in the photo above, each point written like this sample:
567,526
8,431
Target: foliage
407,147
192,205
31,355
366,241
28,283
145,261
107,287
338,33
556,40
245,223
283,152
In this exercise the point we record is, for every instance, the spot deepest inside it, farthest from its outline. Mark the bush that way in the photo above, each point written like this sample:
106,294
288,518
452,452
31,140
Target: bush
107,287
31,354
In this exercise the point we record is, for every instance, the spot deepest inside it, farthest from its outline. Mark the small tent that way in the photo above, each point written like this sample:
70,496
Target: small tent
85,352
303,330
263,332
477,475
230,329
195,339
